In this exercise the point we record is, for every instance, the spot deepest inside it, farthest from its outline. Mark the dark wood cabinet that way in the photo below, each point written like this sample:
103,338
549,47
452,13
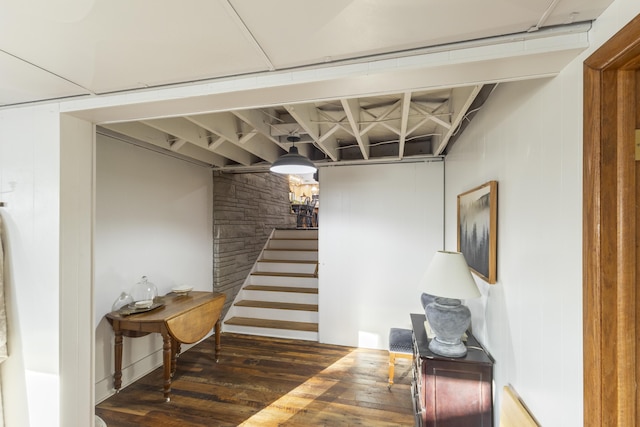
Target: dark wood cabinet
450,392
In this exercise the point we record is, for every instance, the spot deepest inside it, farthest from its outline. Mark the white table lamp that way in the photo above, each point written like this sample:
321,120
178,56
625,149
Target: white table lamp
449,279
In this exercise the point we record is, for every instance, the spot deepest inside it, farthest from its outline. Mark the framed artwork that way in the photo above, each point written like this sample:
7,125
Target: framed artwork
477,229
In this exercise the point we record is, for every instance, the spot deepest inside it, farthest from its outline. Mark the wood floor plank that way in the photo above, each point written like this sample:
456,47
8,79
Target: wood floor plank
262,381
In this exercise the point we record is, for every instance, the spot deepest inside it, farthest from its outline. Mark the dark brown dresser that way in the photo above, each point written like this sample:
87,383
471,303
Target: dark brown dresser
450,392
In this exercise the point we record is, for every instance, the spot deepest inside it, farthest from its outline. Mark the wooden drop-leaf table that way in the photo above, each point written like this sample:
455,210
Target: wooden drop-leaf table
182,319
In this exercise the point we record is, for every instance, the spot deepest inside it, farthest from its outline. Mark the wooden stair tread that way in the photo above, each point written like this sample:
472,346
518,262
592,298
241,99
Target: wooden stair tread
288,261
291,249
271,273
294,289
294,238
277,305
274,324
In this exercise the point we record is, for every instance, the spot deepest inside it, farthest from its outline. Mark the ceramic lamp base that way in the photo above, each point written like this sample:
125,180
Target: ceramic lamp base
449,320
448,349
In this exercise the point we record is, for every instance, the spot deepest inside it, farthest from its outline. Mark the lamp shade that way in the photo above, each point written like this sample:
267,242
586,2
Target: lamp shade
293,163
448,276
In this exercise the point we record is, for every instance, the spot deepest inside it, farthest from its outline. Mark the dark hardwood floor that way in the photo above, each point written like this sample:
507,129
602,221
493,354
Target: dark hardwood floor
268,382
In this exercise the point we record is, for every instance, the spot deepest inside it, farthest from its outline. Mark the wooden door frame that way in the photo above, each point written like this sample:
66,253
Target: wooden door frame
610,328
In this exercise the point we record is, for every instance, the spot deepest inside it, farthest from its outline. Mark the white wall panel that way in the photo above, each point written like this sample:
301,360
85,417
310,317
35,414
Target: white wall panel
153,218
528,137
30,186
379,227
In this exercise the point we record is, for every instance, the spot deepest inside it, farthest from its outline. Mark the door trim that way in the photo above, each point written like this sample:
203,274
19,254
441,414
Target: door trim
609,230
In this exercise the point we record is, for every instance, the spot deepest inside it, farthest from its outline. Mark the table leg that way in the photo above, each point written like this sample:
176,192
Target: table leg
217,332
175,351
166,363
117,376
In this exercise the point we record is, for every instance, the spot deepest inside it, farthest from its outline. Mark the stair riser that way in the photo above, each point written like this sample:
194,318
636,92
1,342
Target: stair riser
302,282
268,332
276,314
293,244
296,298
283,267
295,234
290,255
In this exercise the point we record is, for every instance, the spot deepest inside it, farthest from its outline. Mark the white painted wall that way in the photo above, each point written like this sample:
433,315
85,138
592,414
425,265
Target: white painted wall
30,165
529,141
528,137
379,227
153,218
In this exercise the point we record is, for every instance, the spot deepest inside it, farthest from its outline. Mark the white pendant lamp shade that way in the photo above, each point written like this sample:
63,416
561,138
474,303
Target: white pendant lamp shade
293,163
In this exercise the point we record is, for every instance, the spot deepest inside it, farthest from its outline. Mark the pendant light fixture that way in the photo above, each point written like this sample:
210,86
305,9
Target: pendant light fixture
292,162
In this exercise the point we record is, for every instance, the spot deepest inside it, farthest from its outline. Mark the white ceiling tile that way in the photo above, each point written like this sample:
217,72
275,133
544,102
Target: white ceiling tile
119,45
21,82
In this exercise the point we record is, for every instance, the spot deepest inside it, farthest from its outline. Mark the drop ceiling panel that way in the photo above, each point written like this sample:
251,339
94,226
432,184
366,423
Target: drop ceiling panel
119,45
21,82
341,30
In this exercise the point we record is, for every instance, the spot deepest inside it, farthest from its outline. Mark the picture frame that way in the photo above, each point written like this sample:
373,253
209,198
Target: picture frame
477,229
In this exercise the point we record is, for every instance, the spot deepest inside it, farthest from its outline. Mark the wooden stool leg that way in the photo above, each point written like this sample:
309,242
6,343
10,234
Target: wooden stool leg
392,363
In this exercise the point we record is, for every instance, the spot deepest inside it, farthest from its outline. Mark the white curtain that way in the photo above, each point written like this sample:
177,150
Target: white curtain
3,322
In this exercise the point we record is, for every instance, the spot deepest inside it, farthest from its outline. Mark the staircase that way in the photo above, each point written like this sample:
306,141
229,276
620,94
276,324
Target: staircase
280,296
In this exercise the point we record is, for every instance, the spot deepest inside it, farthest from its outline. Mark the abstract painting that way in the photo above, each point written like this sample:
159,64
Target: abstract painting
477,229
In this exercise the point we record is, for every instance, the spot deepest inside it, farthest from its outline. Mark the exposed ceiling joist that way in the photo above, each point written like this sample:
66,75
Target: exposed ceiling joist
182,129
308,118
461,100
406,103
141,132
258,121
225,126
354,116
